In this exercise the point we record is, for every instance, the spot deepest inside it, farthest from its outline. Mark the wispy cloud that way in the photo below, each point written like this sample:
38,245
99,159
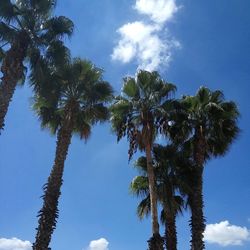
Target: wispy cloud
14,244
147,43
160,11
225,234
101,244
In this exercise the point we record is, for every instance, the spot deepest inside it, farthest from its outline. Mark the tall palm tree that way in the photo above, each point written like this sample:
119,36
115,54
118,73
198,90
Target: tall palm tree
74,103
27,30
207,130
171,185
136,114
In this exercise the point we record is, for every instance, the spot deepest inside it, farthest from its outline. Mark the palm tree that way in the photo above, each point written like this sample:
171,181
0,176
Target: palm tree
171,185
75,103
136,114
207,130
27,30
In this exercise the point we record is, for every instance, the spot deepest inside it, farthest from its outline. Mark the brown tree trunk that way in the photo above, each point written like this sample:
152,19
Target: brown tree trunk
155,242
197,218
170,232
196,199
49,213
12,71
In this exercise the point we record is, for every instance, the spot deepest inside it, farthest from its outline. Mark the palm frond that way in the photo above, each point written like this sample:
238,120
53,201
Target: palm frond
139,186
56,28
58,54
143,209
130,88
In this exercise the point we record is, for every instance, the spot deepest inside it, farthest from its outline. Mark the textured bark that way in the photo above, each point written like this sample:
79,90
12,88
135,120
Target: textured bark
12,71
156,242
49,213
152,191
170,232
196,199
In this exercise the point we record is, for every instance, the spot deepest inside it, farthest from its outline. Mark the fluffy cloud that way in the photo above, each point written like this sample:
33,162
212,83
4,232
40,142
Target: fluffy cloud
101,244
225,234
142,41
160,11
14,244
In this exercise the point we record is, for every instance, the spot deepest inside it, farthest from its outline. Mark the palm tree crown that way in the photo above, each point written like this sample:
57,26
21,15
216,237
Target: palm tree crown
77,87
210,117
143,104
28,31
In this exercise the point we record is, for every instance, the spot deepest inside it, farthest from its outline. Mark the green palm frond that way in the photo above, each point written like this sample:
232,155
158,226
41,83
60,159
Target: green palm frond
141,165
143,208
49,116
130,88
83,126
96,113
57,53
100,91
217,96
139,186
57,27
203,95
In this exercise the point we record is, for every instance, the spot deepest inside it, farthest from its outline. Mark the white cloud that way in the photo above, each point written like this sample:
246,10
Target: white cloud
143,42
14,244
101,244
160,11
225,234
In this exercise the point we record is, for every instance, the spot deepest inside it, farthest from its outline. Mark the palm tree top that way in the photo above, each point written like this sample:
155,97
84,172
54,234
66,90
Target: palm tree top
148,88
208,114
78,84
32,21
140,108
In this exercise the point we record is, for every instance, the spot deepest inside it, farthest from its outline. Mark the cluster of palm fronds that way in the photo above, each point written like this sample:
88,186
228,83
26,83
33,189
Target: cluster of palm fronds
70,96
196,128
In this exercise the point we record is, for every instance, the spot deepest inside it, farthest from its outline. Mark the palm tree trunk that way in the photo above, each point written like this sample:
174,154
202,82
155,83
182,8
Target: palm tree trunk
12,71
170,232
197,219
155,242
196,199
49,213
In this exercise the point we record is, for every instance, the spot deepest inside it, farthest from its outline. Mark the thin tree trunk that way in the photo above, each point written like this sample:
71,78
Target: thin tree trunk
49,213
197,219
156,241
198,222
170,232
12,71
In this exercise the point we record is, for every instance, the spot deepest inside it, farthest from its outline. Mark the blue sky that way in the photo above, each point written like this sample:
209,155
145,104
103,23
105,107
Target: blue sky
194,43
